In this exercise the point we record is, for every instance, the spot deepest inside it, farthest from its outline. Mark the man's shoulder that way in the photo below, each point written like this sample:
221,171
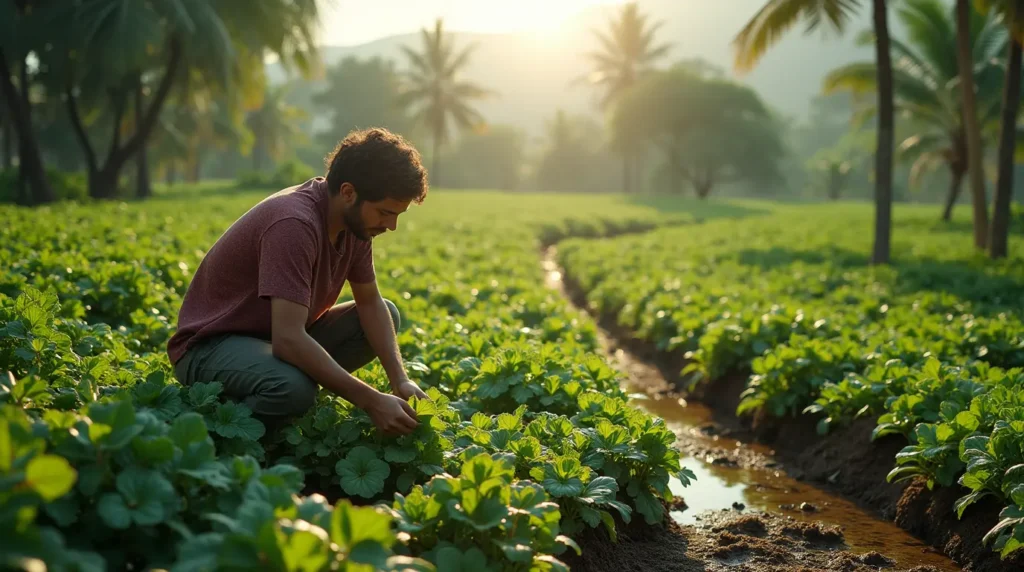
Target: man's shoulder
302,202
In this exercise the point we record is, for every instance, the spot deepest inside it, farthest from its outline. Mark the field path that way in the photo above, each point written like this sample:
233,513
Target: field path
743,511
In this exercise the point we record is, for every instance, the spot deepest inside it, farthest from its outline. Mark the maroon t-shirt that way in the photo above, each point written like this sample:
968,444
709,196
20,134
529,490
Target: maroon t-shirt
279,248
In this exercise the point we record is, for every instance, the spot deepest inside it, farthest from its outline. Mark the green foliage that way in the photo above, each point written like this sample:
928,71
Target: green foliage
110,463
929,348
66,186
288,173
712,131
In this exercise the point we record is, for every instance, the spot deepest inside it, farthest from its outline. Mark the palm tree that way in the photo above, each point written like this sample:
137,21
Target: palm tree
434,91
1011,11
926,87
628,51
972,126
274,125
777,16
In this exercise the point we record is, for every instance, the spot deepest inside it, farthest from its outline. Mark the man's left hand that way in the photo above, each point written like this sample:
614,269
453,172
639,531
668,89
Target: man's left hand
408,388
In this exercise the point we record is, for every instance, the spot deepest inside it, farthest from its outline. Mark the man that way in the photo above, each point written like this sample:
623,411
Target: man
260,315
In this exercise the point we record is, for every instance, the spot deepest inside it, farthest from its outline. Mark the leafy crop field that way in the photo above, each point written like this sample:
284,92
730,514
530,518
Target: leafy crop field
106,462
933,347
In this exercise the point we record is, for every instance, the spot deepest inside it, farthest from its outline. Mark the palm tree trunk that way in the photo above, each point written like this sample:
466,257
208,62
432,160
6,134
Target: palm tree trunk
956,183
974,151
638,171
435,158
1007,149
144,188
627,172
29,158
884,145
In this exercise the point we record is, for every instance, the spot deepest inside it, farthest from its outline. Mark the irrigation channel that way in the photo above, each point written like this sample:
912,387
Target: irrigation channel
744,478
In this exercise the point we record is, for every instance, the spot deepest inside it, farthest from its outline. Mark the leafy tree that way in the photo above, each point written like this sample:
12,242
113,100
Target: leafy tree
627,52
490,157
778,16
113,54
712,131
572,157
274,126
926,87
435,93
361,93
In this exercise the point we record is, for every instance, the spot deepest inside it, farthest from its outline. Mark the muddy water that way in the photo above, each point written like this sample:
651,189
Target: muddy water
738,476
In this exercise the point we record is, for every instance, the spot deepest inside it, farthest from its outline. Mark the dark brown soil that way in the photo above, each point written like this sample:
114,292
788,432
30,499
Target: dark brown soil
845,462
726,541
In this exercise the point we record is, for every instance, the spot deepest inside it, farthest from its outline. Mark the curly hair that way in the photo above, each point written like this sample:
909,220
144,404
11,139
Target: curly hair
379,164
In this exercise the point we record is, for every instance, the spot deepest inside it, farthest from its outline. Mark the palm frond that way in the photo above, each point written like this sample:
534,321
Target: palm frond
776,18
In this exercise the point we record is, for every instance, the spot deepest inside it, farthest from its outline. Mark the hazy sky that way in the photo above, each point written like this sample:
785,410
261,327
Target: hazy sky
349,22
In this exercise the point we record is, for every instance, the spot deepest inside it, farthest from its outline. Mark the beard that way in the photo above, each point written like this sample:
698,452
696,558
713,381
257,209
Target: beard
356,225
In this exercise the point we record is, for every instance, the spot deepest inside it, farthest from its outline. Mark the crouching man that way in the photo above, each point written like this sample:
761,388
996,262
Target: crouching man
261,313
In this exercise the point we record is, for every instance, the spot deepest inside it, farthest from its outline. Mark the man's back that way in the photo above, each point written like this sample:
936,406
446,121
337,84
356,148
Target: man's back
280,248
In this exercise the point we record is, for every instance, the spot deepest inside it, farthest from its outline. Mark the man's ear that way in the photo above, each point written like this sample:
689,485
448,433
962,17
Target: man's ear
348,194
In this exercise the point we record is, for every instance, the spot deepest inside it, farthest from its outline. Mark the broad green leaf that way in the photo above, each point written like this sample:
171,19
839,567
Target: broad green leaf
114,512
188,428
362,473
394,454
307,550
50,476
650,506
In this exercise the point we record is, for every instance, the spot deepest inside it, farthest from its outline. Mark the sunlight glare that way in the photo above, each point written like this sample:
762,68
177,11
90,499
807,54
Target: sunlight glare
544,17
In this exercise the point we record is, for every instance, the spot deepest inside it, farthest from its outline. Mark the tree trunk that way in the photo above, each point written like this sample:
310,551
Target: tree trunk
8,135
884,145
627,172
975,171
29,158
956,183
703,190
120,154
172,173
1007,149
435,159
143,187
638,171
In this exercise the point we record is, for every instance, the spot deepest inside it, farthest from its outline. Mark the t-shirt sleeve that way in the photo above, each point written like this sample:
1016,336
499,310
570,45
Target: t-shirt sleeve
287,254
362,270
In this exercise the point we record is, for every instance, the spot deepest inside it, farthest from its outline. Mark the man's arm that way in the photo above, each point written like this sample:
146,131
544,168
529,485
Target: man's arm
375,319
291,343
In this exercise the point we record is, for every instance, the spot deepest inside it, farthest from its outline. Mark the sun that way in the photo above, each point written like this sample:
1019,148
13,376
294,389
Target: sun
543,17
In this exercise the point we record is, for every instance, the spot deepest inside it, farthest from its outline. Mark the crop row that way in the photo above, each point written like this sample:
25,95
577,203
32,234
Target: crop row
107,462
931,347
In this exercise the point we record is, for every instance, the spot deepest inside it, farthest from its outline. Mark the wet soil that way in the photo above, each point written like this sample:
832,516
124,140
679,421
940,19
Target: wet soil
724,540
735,477
842,475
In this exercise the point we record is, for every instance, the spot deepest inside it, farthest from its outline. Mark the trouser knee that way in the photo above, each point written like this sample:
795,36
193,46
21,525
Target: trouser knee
396,317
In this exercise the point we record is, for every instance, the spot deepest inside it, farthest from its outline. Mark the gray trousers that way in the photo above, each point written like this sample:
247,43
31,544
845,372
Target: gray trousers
274,389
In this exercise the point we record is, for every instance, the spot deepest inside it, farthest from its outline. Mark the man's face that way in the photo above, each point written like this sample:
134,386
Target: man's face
367,219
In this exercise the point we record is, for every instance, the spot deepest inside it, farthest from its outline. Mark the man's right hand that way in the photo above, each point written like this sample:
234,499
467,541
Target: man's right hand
392,414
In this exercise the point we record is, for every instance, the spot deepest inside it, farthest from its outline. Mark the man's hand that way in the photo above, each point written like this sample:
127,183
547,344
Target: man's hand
407,388
392,414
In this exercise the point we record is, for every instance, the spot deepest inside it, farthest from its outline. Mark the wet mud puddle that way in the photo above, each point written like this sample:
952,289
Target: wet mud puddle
744,477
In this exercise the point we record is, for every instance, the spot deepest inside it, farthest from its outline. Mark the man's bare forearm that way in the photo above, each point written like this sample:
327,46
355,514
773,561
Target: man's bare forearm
375,318
305,353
